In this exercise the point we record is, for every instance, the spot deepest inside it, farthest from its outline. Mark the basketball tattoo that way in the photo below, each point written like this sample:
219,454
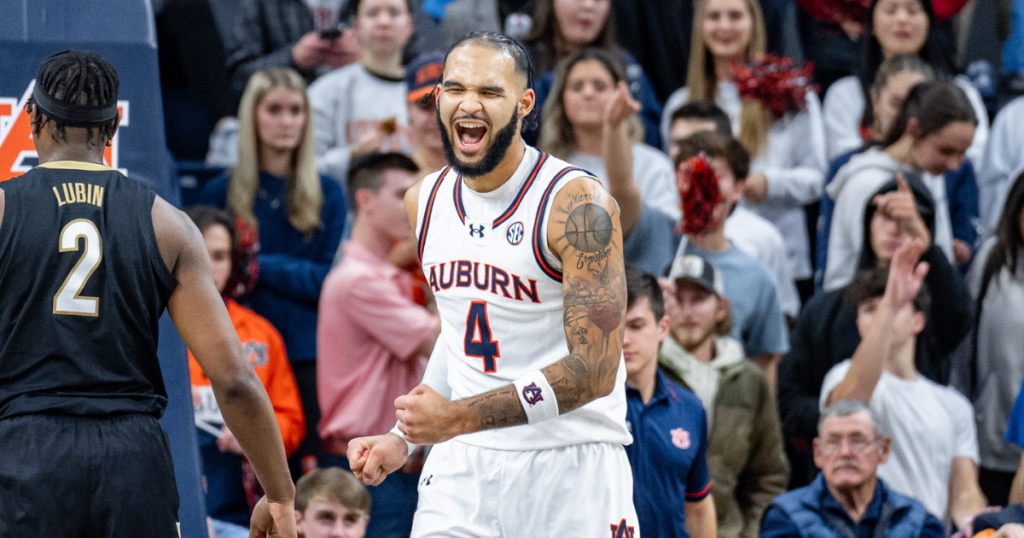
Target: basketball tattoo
589,228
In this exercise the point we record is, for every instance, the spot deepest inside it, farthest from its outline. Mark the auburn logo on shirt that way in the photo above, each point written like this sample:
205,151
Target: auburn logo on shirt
622,530
256,352
681,438
16,145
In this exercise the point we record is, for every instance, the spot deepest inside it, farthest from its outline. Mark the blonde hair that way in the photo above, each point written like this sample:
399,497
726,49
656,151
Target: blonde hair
702,80
305,198
556,133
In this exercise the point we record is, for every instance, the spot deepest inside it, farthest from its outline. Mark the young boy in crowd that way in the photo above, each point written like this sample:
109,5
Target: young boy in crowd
753,234
758,322
226,491
670,431
331,503
360,108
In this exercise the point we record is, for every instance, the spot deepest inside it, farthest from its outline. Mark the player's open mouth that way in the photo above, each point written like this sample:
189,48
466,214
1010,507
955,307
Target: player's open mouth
470,135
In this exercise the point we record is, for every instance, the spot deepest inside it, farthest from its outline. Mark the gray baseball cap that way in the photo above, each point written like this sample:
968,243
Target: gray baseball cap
698,270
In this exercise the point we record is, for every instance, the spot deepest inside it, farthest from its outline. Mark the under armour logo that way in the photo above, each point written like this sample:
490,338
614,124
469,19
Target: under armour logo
426,481
476,231
532,394
621,530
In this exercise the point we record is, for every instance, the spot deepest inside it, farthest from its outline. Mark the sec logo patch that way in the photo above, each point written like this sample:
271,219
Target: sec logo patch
514,234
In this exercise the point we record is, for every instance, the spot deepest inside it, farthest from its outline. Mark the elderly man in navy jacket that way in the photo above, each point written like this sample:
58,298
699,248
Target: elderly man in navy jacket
847,499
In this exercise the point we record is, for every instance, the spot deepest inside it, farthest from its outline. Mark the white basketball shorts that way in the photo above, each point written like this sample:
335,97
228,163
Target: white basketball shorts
583,491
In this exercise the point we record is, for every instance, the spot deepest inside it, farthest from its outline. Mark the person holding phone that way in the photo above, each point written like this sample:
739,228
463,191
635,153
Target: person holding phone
309,36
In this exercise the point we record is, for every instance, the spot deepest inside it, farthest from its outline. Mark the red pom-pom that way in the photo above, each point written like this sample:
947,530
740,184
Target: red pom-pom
773,81
701,198
245,264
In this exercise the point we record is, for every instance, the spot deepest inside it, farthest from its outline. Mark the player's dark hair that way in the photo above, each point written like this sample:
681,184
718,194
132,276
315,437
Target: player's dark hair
717,145
77,79
641,284
367,172
935,104
501,43
205,216
332,484
870,284
704,111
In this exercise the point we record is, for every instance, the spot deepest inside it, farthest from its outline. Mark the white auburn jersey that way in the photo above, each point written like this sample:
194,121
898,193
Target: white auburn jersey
499,292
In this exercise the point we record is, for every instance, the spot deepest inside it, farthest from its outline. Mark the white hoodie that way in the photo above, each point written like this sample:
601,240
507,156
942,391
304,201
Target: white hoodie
852,189
702,377
793,161
1002,163
844,108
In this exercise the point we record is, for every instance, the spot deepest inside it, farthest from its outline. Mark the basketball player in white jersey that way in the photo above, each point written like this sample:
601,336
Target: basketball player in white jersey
524,394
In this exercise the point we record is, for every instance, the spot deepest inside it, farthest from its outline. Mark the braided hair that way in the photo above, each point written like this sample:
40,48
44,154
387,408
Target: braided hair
78,78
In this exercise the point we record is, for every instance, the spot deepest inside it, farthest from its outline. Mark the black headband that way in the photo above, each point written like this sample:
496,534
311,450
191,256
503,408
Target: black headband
73,115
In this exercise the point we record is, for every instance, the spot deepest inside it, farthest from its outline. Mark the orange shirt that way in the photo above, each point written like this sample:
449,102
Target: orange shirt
263,345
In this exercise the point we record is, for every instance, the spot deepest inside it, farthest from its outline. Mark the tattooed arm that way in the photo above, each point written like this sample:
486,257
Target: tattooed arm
585,233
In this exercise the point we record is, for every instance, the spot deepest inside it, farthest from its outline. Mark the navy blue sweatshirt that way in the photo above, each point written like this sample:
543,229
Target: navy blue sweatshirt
292,265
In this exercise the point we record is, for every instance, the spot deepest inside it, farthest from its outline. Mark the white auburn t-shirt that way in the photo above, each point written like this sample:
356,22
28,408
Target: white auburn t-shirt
929,424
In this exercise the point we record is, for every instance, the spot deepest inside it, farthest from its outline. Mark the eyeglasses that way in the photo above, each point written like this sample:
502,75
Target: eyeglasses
858,443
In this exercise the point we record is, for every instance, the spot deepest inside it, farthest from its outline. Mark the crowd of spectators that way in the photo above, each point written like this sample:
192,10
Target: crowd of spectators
839,353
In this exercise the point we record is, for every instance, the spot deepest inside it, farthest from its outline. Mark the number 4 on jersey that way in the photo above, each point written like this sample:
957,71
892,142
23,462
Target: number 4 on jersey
478,336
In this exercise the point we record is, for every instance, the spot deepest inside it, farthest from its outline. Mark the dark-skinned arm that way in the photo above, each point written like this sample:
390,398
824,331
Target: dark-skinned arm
202,320
585,233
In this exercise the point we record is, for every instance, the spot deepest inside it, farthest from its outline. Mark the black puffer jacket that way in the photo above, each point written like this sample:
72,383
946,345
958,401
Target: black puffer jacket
263,36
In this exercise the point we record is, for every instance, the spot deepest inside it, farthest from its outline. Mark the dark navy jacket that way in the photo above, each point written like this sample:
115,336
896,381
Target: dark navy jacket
812,512
293,266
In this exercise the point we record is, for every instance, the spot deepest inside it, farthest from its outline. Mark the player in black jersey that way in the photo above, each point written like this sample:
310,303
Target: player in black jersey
89,260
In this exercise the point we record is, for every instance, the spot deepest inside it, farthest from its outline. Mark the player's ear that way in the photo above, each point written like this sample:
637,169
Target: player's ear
33,117
526,102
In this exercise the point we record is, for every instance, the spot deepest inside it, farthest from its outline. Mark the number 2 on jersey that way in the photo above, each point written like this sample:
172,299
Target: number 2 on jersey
478,336
67,301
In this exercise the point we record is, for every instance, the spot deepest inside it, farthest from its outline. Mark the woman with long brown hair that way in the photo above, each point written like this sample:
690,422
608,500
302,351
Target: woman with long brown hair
787,153
575,129
298,214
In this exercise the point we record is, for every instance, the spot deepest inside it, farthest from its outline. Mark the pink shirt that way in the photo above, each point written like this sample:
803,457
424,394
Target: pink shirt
368,332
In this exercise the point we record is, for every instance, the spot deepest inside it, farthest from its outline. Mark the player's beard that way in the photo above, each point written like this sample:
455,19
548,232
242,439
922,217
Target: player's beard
494,155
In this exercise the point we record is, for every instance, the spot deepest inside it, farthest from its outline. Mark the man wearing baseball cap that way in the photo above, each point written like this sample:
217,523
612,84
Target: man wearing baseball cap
745,451
421,78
